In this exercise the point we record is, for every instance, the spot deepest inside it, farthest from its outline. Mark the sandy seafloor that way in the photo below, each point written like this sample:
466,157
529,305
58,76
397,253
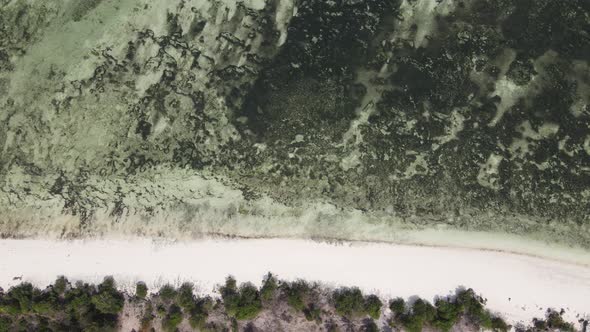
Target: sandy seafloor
519,287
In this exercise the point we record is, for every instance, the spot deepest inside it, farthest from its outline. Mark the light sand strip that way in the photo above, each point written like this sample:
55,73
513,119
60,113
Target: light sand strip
519,287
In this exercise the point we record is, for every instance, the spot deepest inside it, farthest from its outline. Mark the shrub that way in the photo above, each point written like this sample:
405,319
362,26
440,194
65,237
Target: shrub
108,284
447,314
229,291
249,304
186,298
422,313
19,299
348,301
397,306
60,285
296,293
499,325
173,318
78,301
167,293
9,306
85,307
108,300
197,319
92,308
243,303
108,303
269,287
373,306
554,321
141,290
231,286
473,307
44,307
5,324
199,314
229,294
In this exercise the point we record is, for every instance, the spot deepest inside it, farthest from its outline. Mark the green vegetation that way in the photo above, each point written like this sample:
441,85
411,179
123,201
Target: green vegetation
199,313
301,297
61,307
197,308
141,290
242,303
84,307
186,297
422,313
5,324
397,306
445,313
474,307
269,287
173,318
108,299
498,324
275,123
351,302
297,293
553,321
167,293
60,285
373,306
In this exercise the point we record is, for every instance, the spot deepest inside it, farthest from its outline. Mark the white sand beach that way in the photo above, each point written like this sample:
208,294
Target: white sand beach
518,287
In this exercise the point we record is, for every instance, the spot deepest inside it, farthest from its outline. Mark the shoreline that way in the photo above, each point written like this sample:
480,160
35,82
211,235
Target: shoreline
430,238
533,284
558,252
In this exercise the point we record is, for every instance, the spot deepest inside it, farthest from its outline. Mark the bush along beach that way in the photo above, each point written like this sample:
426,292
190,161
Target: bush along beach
275,305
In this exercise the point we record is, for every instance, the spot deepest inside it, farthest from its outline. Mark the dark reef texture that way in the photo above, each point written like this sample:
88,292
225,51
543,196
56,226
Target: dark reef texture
306,117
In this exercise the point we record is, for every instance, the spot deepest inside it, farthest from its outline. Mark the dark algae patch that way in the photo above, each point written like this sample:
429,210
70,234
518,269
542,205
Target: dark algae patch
470,115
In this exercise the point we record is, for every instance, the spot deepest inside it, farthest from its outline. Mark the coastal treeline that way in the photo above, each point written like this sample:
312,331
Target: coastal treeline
299,305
